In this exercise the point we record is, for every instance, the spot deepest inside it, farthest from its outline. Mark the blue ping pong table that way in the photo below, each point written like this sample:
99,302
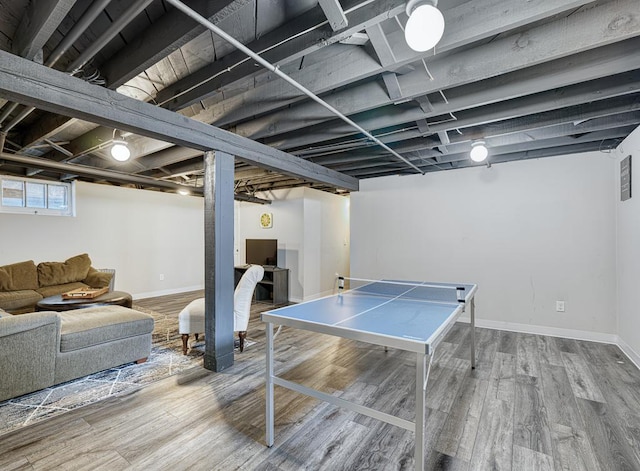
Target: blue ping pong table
411,316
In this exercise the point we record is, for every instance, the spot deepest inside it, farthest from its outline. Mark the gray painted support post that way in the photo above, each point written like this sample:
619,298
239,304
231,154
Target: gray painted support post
218,260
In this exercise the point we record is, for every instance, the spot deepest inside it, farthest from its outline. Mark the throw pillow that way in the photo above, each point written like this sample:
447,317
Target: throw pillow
18,276
58,273
97,279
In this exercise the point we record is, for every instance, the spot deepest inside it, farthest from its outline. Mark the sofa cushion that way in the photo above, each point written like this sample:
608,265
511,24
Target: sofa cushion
15,300
18,276
97,279
84,328
59,289
58,273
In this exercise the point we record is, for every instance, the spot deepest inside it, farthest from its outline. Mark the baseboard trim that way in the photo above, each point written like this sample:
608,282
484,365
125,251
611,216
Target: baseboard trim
545,330
165,292
614,339
630,352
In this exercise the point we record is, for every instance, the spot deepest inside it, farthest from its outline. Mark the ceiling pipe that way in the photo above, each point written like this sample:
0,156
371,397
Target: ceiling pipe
80,27
85,171
8,109
74,34
89,16
250,198
276,70
110,175
263,51
123,20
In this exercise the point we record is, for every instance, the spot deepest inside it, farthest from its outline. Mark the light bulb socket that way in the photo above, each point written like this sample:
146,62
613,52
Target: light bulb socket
413,4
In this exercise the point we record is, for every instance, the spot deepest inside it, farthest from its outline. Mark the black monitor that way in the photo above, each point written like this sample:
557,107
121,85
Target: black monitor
262,252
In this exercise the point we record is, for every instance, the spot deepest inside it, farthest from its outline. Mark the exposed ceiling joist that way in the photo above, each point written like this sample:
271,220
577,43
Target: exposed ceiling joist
530,78
34,85
38,23
334,13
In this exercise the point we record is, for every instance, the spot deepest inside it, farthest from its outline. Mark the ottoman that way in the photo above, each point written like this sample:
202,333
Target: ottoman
97,338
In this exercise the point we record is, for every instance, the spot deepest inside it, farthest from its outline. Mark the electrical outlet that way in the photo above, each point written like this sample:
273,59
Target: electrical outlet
560,306
161,277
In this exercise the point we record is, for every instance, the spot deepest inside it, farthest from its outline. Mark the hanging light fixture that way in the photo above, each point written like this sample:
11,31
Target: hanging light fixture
479,151
425,26
119,148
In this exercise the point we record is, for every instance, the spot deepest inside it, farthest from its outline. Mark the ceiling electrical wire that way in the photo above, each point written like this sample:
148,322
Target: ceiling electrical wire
276,70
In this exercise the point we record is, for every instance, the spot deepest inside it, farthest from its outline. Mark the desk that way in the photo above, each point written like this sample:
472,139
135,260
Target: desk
411,316
274,286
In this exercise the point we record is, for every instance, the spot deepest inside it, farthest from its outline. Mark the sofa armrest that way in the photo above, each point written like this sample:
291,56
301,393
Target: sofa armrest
28,346
11,325
113,276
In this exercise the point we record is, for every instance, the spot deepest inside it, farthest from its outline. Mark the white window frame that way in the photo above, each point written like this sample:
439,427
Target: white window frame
70,210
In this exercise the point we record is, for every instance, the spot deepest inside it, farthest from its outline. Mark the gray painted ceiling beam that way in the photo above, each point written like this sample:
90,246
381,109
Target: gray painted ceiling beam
288,43
334,13
545,43
84,171
589,65
464,160
537,12
166,157
286,52
162,38
549,125
541,45
599,136
39,22
393,87
34,85
562,135
466,24
380,44
166,35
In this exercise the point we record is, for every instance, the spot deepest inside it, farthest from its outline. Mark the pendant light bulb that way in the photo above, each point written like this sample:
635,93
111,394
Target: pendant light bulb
479,151
120,151
425,26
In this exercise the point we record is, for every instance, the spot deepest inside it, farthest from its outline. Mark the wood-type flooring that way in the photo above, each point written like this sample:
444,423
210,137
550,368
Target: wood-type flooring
533,403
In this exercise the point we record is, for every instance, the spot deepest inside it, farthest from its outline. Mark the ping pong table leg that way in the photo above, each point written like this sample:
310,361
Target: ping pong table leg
472,314
423,365
269,385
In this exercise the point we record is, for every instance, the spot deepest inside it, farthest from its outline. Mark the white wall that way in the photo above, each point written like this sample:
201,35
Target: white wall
326,252
628,253
141,234
312,229
528,233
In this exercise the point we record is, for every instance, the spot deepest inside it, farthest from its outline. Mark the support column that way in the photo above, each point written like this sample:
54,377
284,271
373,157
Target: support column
218,260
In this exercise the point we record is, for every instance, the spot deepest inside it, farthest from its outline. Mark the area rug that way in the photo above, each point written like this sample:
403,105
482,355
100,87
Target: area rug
166,359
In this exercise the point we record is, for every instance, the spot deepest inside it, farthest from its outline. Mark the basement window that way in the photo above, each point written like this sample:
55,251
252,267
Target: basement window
31,196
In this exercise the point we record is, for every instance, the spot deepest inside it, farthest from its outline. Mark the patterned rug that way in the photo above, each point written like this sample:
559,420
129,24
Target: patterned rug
166,359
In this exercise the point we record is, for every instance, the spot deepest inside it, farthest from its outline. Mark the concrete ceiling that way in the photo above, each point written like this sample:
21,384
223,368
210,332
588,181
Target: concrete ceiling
532,79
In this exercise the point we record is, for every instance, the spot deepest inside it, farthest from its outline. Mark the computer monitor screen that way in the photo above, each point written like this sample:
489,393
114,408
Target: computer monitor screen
262,252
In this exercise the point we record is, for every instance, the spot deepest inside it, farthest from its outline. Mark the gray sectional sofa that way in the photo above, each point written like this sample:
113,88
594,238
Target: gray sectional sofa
41,349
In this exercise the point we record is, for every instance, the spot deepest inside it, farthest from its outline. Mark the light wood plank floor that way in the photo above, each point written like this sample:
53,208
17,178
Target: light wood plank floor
533,403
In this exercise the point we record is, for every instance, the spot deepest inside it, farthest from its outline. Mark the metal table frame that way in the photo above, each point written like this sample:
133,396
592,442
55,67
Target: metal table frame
424,354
